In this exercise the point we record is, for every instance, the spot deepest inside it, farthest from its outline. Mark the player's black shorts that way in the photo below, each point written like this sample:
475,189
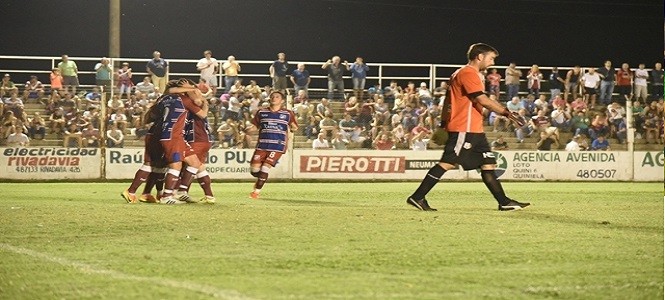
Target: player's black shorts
470,150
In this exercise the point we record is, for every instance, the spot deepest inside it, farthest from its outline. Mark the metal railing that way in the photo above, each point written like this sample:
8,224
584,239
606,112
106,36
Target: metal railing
22,67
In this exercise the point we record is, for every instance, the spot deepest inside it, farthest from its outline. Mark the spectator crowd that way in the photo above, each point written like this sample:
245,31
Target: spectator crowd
590,104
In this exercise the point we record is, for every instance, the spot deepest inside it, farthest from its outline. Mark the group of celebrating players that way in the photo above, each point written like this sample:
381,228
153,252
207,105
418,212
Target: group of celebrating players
177,145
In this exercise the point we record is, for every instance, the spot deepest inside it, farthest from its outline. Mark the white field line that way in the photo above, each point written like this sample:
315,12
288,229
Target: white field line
89,269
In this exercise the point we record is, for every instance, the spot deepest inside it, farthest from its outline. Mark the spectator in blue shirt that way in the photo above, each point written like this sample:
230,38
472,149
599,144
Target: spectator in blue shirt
600,144
158,70
529,104
358,75
94,98
300,79
278,72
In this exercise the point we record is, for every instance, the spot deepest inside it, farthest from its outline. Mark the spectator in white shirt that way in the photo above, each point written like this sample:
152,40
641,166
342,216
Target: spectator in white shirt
591,82
119,118
17,137
146,87
320,142
114,137
573,145
208,66
641,76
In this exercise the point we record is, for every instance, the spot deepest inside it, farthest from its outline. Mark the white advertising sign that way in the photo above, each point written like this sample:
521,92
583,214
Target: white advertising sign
222,163
366,164
559,165
648,166
45,163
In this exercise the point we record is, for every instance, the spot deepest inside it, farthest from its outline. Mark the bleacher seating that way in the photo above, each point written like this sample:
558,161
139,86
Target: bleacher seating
300,141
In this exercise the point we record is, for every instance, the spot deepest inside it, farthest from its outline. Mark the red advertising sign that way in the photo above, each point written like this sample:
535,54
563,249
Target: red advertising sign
351,164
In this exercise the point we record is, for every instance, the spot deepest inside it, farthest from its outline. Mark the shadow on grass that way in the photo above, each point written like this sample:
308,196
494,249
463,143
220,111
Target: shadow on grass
564,219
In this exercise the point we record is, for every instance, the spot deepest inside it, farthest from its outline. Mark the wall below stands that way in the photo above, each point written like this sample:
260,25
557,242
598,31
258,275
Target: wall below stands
40,163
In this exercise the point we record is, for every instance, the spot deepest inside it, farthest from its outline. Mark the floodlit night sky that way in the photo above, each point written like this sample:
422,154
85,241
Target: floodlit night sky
545,32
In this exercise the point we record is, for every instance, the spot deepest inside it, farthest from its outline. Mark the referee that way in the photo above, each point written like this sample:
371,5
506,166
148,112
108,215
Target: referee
463,120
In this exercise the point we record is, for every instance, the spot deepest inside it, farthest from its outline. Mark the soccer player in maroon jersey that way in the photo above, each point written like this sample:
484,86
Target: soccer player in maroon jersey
154,163
176,149
197,135
274,124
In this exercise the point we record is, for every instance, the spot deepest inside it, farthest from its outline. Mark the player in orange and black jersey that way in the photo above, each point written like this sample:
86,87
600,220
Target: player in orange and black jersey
463,120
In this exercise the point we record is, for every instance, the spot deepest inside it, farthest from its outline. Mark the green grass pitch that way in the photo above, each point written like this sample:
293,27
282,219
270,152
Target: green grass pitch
333,241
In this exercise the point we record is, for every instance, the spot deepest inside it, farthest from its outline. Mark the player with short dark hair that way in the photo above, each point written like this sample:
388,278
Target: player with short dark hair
274,124
463,120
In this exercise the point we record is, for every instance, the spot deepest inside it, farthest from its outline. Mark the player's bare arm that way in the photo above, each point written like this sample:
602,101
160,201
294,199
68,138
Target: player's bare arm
203,113
496,107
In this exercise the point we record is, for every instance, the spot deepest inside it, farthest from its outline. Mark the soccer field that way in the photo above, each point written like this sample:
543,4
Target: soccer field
333,241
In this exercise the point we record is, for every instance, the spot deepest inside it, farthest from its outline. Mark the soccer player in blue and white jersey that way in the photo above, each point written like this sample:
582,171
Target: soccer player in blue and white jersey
274,124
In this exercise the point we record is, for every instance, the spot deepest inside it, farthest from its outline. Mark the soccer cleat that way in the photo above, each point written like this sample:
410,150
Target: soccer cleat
254,195
208,200
185,197
148,198
170,200
420,204
513,205
128,197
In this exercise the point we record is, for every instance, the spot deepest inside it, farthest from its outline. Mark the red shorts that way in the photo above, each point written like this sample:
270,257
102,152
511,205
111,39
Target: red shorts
262,156
201,149
176,150
154,153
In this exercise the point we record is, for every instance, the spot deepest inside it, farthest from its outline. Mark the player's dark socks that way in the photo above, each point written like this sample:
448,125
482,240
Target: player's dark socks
263,176
150,183
159,184
204,181
494,185
255,174
430,180
171,182
186,178
140,177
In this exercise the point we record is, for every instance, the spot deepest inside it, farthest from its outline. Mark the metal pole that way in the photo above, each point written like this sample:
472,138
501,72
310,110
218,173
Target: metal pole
630,139
432,76
114,28
381,75
102,134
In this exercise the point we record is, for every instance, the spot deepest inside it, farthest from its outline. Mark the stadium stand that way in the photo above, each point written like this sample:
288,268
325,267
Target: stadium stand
400,112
